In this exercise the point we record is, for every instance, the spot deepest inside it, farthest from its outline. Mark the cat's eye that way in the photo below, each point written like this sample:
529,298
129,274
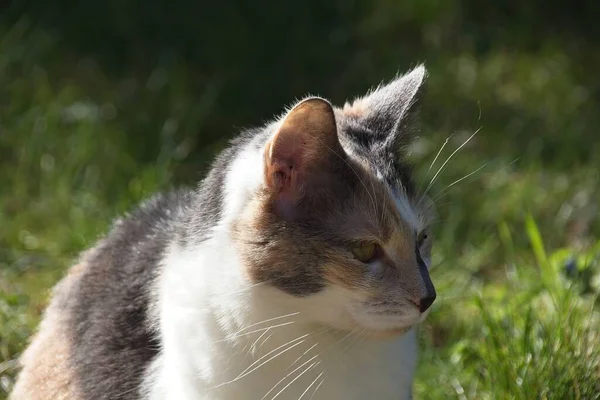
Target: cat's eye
421,239
365,251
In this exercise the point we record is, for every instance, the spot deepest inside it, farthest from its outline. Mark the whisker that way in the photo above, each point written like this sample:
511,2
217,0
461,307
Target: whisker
318,386
434,160
246,372
445,191
243,289
441,192
250,368
315,335
331,346
309,386
296,378
253,346
289,374
303,354
375,208
351,342
264,341
446,162
268,320
254,331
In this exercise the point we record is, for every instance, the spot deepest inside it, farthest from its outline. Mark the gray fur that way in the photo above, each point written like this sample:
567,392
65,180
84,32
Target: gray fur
389,125
108,309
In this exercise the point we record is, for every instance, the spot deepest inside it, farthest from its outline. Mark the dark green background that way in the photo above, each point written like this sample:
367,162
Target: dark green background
103,103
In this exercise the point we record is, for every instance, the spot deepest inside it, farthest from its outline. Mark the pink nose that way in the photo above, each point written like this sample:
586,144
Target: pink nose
424,303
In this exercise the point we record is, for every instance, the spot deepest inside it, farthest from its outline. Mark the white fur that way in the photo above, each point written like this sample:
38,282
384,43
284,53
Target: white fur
407,212
404,206
222,335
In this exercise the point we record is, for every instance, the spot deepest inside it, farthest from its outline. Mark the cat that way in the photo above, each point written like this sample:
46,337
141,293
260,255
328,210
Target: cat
298,269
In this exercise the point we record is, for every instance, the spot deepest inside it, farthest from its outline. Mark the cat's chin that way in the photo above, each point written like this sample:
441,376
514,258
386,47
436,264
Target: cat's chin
388,334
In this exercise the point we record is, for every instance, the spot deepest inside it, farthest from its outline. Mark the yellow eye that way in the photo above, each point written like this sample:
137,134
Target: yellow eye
365,251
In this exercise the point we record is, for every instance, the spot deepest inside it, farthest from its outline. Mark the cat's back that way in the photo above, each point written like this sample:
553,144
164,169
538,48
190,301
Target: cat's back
97,336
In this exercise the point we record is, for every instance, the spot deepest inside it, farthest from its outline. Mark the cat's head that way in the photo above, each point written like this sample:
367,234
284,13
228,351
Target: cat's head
336,224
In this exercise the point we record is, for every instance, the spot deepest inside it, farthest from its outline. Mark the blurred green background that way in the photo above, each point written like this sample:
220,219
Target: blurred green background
103,103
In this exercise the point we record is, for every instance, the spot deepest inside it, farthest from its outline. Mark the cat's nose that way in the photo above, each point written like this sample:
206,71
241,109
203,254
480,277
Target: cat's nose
425,302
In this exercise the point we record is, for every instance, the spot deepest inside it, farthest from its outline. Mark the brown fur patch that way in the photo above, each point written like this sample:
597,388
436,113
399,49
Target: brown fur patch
344,274
47,372
277,253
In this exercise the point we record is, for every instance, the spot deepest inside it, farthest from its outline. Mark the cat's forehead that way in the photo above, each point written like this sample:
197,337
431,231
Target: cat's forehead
379,201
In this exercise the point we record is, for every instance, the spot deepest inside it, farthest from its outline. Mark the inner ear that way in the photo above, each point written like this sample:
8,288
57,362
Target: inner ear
302,151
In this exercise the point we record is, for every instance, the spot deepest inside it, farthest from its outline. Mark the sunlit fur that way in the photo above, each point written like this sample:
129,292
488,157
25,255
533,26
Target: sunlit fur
374,297
246,288
217,347
229,331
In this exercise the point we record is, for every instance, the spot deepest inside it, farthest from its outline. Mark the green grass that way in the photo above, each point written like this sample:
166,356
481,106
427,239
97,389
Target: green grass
532,333
517,259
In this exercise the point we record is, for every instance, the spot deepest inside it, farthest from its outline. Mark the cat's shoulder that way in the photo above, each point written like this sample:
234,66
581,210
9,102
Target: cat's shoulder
103,304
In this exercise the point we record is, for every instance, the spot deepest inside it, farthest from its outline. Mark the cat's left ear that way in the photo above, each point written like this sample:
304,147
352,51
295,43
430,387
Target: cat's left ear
390,109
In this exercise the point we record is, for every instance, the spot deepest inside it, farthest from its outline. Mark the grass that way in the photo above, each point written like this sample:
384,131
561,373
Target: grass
533,334
517,259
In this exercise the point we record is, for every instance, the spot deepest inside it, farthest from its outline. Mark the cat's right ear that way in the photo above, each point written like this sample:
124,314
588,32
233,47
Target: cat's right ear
391,108
301,152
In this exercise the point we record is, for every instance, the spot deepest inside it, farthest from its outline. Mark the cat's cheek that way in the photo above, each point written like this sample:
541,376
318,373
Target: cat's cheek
346,276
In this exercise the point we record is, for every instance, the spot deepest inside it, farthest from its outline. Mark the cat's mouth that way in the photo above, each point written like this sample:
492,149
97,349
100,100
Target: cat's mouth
385,325
389,334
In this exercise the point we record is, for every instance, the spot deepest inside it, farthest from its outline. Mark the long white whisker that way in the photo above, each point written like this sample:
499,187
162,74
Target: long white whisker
268,320
318,386
447,160
242,289
342,339
254,331
264,341
303,354
457,181
434,160
375,210
250,368
253,346
243,373
351,342
289,374
444,192
296,378
315,335
309,386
